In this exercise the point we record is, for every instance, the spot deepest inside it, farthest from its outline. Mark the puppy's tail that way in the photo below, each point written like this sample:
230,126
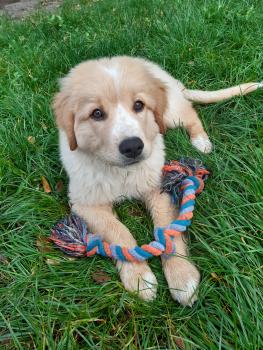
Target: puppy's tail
204,97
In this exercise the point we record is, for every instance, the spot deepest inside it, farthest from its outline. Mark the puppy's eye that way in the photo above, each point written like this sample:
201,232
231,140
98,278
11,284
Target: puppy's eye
138,106
97,114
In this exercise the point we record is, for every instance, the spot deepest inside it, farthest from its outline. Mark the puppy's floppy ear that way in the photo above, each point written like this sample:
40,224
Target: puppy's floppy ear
65,118
161,105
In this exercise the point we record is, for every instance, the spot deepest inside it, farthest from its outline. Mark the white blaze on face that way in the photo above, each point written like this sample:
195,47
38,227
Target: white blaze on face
114,74
124,125
112,71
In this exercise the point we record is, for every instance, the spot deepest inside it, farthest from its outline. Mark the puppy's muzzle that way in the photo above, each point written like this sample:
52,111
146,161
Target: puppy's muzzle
131,147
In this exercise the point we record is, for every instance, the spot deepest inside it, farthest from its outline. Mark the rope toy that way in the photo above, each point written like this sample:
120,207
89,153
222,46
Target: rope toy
182,179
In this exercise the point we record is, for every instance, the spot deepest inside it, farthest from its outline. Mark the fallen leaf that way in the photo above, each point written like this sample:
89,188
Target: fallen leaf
180,343
216,277
52,262
3,260
43,244
31,139
135,212
46,185
59,186
71,258
6,341
100,277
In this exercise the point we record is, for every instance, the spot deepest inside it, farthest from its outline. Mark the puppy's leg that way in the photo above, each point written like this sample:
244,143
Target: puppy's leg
182,113
193,125
136,277
181,275
179,111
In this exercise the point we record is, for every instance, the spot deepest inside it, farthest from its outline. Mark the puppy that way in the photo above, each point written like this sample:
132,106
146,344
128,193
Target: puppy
111,114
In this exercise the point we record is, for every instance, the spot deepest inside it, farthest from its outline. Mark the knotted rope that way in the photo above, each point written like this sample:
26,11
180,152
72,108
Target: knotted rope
182,179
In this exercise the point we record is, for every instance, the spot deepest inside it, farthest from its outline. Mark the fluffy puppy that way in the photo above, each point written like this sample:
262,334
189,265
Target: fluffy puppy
111,114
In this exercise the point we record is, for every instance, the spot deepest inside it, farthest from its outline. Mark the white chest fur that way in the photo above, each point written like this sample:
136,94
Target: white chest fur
92,182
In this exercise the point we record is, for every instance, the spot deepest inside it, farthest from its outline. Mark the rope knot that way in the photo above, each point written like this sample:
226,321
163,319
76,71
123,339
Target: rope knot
175,172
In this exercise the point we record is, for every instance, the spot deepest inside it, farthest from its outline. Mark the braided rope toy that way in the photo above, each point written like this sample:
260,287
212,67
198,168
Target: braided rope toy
182,179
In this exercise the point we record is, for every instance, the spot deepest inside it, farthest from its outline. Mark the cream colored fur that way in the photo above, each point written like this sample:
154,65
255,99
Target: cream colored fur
98,174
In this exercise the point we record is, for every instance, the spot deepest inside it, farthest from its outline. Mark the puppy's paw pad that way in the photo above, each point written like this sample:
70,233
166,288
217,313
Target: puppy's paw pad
202,144
186,296
148,286
183,279
139,278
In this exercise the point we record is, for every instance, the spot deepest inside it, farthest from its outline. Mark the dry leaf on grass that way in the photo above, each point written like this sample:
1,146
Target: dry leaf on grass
31,139
135,212
3,260
59,186
52,262
46,185
216,277
71,258
7,342
43,244
101,277
179,343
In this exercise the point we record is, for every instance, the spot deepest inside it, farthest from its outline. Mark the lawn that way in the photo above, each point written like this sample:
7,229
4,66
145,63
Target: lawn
48,301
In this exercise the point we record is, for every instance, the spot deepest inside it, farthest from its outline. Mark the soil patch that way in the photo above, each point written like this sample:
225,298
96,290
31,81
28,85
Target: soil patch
21,8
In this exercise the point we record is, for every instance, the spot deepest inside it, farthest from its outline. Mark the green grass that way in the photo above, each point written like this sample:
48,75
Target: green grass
206,44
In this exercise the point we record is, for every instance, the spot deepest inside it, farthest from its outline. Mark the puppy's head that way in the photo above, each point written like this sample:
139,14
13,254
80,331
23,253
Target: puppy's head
111,108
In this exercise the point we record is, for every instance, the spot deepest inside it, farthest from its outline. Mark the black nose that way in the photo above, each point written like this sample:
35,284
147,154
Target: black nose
131,147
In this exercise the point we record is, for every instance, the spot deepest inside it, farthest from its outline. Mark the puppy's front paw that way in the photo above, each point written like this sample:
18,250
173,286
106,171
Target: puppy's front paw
202,143
138,277
183,279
